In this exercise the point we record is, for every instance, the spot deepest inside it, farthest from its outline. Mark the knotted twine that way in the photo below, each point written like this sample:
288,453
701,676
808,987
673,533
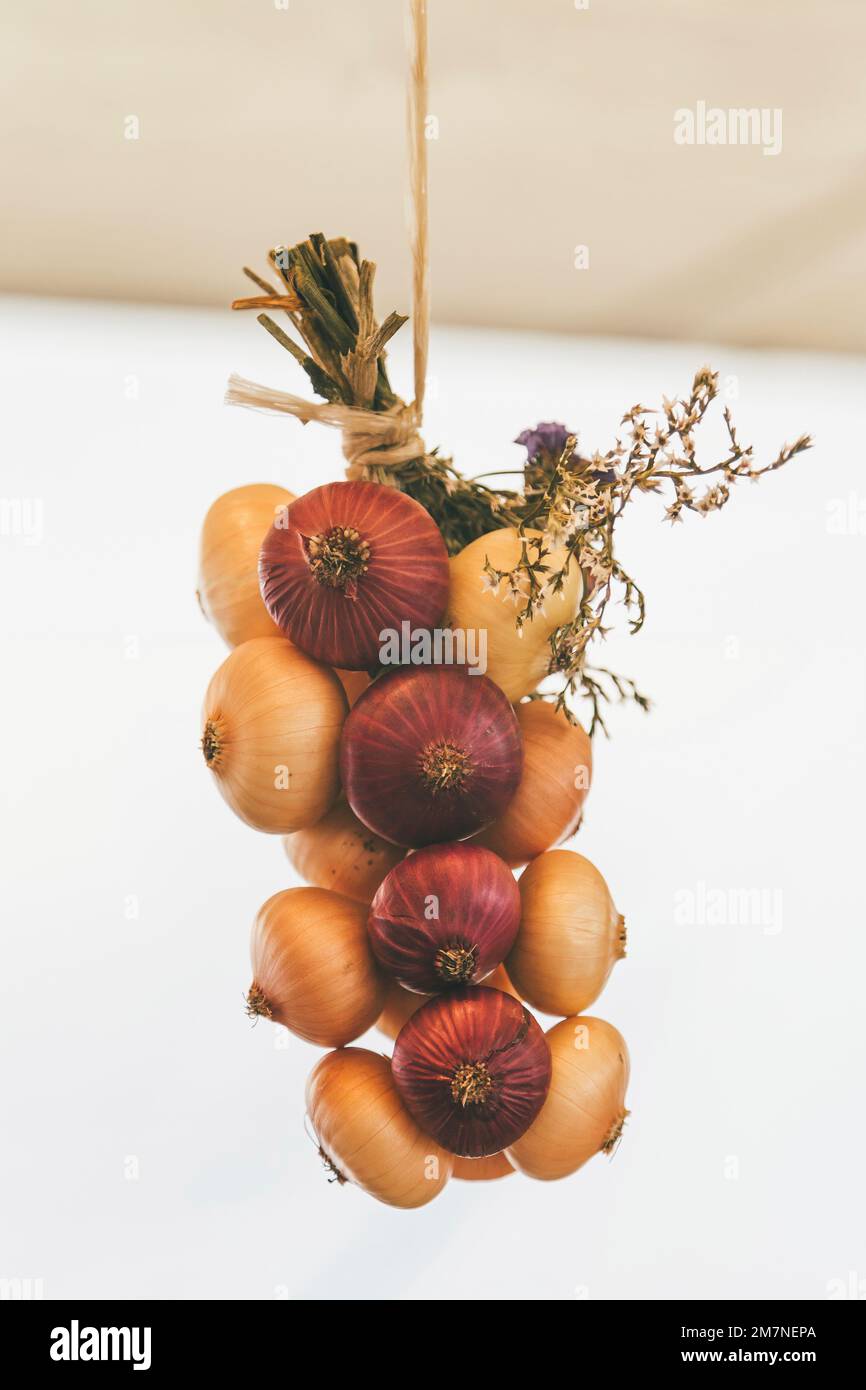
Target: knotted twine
376,441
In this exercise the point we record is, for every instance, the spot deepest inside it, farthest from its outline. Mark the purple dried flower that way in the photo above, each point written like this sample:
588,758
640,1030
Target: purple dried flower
546,442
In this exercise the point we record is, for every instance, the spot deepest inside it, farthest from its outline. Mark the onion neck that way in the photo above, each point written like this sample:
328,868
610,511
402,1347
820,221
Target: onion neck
257,1004
456,964
334,1174
621,937
614,1134
212,742
337,557
443,767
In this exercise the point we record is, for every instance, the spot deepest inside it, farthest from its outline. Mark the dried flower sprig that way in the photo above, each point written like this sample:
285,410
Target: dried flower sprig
573,504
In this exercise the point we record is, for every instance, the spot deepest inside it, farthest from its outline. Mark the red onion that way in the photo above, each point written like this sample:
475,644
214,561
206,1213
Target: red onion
445,916
473,1070
347,562
429,754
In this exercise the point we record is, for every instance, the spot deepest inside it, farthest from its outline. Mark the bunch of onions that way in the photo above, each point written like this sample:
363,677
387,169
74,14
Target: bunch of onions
365,1135
585,1108
400,1004
473,1069
547,806
570,937
313,970
231,538
430,754
445,916
339,852
348,561
516,660
270,735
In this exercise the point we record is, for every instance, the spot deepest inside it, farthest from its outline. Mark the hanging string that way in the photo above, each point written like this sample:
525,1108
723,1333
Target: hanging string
418,188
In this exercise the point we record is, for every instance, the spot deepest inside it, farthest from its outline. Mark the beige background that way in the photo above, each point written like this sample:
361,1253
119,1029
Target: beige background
258,125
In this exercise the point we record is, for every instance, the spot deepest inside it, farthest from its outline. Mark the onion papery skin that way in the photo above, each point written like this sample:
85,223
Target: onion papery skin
313,970
231,538
571,934
473,1068
446,916
585,1108
548,805
271,728
340,853
401,1004
516,660
414,725
365,1134
482,1169
395,571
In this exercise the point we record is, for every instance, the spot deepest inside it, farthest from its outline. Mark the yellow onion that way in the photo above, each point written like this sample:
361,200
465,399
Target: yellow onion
482,1169
271,734
584,1112
548,804
366,1136
313,970
339,852
516,660
570,936
231,538
401,1004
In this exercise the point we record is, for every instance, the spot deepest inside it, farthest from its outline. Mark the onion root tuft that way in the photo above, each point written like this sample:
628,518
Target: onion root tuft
337,557
456,964
444,767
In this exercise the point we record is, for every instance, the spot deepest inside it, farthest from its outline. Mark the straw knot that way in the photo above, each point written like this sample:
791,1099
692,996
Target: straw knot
390,439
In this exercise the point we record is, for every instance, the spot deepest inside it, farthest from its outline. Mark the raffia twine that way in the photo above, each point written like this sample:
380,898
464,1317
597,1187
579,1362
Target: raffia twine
379,440
370,438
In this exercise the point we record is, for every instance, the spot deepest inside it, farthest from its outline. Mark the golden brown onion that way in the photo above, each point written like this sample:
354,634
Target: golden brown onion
313,970
366,1136
548,804
570,936
585,1109
339,852
231,538
271,735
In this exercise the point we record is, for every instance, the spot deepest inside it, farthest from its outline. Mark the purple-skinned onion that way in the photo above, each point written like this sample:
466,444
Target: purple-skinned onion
347,562
430,754
445,916
473,1069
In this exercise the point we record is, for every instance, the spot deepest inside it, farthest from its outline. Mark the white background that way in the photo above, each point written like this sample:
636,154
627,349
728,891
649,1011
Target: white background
125,1038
